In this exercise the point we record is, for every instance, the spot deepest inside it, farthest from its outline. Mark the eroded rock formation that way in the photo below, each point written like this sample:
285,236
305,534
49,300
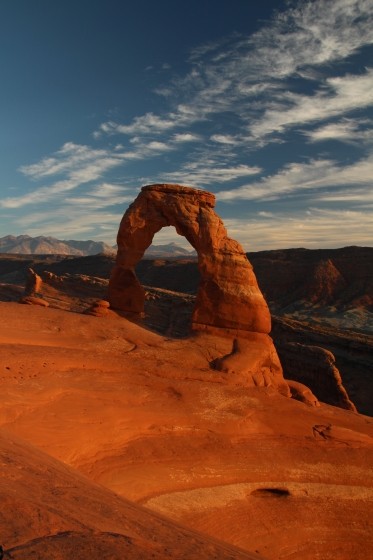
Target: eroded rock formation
302,393
33,283
228,295
228,300
315,367
253,362
99,308
33,290
33,300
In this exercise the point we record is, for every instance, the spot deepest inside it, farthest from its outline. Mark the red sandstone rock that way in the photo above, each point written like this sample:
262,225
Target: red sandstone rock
33,283
302,393
144,415
315,367
31,300
99,308
342,435
253,362
102,303
342,278
50,512
228,295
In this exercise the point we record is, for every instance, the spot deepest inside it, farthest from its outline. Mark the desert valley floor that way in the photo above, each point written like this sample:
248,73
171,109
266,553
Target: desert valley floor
100,410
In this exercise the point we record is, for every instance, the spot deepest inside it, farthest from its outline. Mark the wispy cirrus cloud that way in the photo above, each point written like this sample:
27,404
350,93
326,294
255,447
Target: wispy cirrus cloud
243,93
151,124
72,159
148,123
313,228
78,164
102,196
207,172
311,34
225,139
84,214
70,222
186,137
347,130
295,178
337,96
39,195
242,74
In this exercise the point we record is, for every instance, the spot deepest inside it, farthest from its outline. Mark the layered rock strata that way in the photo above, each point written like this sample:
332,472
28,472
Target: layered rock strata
228,301
228,295
315,367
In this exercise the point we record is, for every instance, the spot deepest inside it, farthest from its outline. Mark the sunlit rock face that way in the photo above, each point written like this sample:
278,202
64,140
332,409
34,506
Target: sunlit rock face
33,283
228,301
228,295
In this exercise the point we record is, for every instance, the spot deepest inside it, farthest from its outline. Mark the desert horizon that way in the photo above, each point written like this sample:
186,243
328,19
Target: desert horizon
33,244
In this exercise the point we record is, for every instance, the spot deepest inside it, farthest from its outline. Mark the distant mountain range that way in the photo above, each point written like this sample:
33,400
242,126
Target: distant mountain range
168,250
27,245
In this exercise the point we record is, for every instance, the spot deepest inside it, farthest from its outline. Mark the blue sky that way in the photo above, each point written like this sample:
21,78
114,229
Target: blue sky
266,104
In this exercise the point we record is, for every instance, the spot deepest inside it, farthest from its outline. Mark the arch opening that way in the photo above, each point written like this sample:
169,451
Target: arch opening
168,243
169,274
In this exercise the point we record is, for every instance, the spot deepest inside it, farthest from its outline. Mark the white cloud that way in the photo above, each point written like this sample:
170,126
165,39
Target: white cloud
297,177
301,39
224,139
312,229
264,214
347,130
70,158
148,123
247,76
102,196
107,190
361,197
310,34
72,222
186,137
344,94
39,195
207,172
80,164
155,146
144,149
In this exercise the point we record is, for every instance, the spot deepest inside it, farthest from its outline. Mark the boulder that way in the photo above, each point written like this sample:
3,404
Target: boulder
99,308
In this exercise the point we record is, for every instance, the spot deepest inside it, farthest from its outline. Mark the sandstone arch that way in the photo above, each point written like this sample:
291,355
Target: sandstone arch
228,295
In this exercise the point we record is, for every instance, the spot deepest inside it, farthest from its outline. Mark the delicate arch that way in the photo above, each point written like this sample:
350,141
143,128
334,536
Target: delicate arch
228,295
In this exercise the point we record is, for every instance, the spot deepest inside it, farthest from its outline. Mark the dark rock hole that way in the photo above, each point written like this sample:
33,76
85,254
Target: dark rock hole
271,492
